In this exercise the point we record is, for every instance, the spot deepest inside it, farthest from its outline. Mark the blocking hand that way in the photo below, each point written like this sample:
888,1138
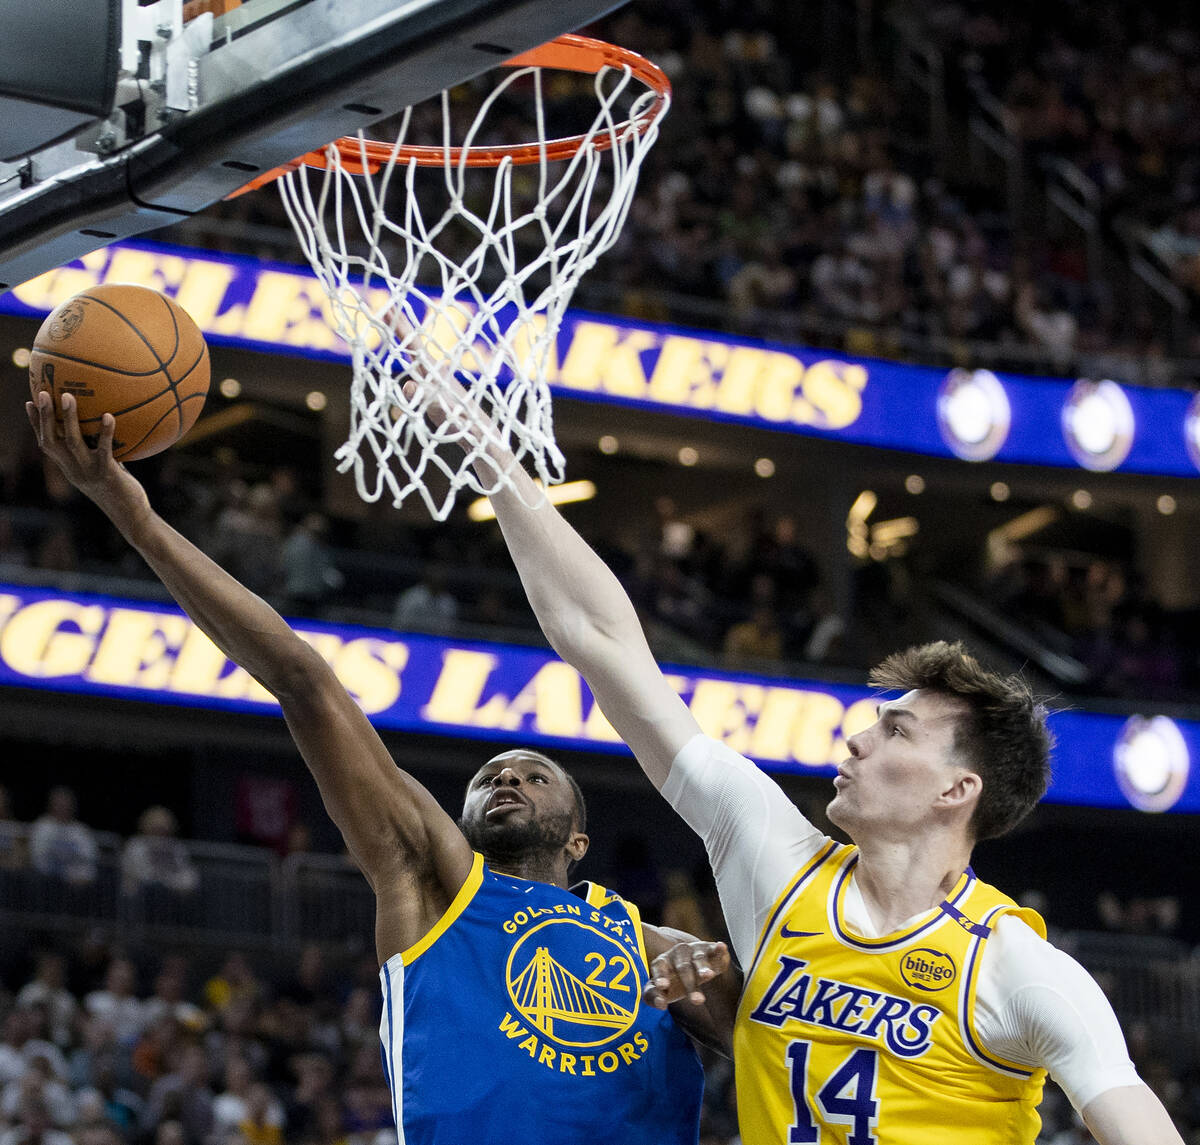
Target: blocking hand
683,971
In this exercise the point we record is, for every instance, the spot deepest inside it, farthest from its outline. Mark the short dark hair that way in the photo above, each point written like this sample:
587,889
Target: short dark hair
1003,736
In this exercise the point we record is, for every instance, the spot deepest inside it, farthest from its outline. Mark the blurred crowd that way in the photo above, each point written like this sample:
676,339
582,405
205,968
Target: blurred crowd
1095,610
781,187
102,1045
110,1038
794,191
64,851
106,1043
1113,89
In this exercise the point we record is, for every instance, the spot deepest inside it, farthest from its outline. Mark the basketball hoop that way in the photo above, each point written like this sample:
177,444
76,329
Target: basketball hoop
460,257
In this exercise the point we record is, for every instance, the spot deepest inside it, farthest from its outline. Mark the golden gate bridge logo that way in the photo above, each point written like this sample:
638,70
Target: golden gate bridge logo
580,993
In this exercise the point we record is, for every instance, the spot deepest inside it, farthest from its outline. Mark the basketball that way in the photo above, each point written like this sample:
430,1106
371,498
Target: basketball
129,351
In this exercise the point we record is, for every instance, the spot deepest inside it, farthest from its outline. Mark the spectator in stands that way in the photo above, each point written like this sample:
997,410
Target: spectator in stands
1047,322
170,1132
40,1081
101,1133
14,851
359,1017
155,858
60,846
230,1107
122,1107
314,1076
367,1106
34,1126
169,1000
247,538
330,1126
758,638
309,573
310,986
427,606
235,982
20,1046
183,1095
117,1003
48,989
155,1049
263,1119
97,1047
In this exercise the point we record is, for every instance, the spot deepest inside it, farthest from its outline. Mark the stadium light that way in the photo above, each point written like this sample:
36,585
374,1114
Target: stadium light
564,494
1098,424
973,414
1151,762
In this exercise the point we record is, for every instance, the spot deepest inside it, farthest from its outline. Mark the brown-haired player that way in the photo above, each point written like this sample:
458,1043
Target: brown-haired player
892,997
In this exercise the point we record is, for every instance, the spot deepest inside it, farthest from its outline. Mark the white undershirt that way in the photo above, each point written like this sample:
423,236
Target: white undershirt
1034,1005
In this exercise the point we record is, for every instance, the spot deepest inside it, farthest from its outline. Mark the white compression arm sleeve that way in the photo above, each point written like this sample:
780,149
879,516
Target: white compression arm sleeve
755,836
1037,1006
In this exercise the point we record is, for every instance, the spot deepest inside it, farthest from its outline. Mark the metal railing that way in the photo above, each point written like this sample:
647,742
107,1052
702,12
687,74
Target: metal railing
1077,198
248,898
993,142
236,899
919,64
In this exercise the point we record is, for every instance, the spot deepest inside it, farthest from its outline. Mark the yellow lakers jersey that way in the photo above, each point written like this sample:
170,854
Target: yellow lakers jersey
845,1040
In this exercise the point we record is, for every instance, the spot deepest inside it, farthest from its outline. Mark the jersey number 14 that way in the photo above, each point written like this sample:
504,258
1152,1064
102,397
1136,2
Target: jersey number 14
847,1097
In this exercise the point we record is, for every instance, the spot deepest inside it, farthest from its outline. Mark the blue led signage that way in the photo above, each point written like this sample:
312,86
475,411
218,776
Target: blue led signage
153,653
976,415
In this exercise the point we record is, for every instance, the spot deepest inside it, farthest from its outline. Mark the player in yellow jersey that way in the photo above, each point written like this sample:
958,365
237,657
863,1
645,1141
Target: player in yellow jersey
891,997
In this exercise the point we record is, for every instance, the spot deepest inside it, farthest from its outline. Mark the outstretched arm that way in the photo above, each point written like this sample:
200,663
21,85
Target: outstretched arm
591,623
409,849
580,605
1130,1115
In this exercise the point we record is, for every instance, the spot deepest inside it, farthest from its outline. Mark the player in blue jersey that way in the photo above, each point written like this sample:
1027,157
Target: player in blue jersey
513,1009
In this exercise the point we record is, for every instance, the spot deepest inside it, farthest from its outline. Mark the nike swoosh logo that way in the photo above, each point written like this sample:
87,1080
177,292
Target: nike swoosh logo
785,933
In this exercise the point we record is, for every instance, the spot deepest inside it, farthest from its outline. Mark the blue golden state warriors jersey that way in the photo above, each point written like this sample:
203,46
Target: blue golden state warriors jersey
518,1018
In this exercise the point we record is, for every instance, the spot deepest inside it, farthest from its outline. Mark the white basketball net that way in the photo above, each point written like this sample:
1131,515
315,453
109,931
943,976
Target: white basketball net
477,292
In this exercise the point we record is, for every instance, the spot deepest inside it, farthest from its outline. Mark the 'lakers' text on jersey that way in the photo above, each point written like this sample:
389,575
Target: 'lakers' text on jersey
845,1040
518,1018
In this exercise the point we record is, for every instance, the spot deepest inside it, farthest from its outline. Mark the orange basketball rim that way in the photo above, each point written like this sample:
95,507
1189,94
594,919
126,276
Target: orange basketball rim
570,52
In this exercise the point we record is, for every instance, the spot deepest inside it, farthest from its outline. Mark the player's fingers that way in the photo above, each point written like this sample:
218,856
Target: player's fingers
683,959
31,413
47,424
70,422
663,987
719,958
108,427
700,964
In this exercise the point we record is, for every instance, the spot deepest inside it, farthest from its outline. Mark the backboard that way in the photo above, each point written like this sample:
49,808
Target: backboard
201,105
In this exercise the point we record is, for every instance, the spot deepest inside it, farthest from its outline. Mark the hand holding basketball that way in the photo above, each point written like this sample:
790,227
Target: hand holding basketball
91,470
